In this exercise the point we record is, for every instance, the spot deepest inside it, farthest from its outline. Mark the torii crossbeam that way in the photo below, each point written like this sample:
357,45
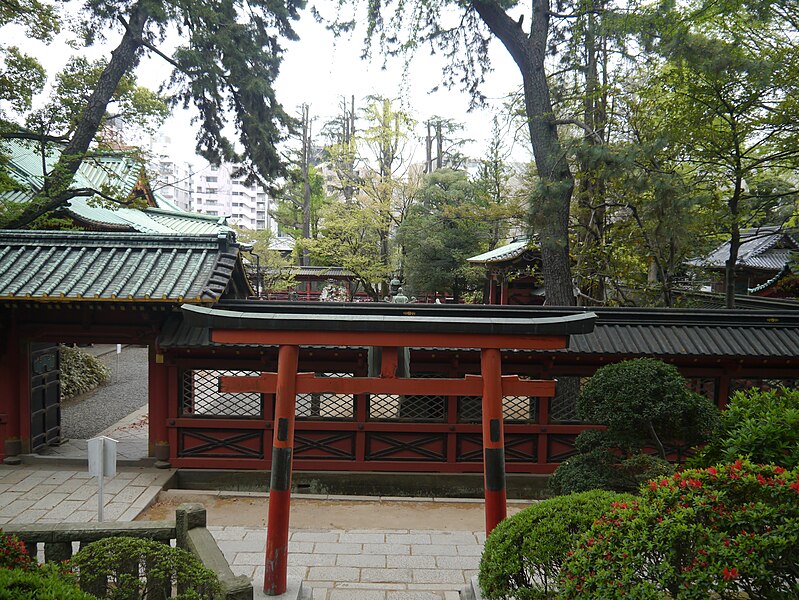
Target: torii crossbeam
388,328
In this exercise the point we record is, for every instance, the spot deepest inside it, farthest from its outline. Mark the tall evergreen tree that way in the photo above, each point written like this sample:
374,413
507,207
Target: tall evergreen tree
228,59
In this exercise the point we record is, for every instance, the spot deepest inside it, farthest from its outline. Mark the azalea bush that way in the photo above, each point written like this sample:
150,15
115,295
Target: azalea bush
39,584
701,533
523,554
13,554
762,425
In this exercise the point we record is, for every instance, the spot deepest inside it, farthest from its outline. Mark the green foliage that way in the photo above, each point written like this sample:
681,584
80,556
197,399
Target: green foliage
350,238
645,402
289,206
523,554
80,371
130,103
602,469
760,425
133,567
13,554
40,584
440,232
717,532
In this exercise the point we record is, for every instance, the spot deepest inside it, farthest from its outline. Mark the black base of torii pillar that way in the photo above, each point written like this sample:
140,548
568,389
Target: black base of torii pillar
387,328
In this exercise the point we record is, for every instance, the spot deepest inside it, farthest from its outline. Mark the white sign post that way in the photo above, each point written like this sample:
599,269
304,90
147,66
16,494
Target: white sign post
102,464
119,351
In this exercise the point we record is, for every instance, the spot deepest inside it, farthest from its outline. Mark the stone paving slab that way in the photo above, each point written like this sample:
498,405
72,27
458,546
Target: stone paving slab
361,563
385,564
48,494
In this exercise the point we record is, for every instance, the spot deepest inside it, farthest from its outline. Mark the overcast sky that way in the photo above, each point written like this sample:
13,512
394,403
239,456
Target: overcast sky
319,70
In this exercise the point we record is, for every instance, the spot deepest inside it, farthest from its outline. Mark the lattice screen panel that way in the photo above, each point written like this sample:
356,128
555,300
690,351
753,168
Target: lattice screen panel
515,409
520,409
200,396
314,407
470,409
563,407
407,408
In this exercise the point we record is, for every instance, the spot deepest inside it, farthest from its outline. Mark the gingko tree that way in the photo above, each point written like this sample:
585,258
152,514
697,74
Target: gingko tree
462,31
225,63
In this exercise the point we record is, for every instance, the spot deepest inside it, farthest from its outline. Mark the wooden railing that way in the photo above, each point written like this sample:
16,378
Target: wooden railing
188,530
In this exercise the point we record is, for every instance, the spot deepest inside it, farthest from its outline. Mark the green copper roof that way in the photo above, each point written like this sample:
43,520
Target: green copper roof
53,265
121,172
503,253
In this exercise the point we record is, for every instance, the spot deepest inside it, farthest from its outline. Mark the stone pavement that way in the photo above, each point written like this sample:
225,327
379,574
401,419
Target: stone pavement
362,564
130,432
52,494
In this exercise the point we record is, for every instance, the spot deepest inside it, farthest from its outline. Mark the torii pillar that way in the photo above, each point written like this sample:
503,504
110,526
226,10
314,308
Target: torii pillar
489,334
277,533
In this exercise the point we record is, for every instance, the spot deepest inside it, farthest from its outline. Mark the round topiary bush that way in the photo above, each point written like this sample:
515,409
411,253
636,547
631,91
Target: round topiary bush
80,372
39,584
646,402
601,469
716,532
645,406
762,425
523,554
128,568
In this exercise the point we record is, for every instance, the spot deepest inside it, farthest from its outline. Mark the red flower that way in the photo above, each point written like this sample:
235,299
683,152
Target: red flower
729,573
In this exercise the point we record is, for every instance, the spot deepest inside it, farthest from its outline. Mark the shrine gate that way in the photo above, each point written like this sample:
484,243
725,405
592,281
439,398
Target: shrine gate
387,332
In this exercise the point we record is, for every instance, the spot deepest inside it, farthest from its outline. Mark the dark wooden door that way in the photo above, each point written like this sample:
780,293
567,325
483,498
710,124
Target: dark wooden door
45,396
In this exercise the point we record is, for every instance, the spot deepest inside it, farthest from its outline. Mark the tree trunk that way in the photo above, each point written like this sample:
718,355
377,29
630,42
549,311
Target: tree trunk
557,182
123,59
306,184
735,244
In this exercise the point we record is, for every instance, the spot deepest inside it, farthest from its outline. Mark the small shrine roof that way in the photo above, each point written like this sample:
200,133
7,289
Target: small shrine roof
502,254
763,248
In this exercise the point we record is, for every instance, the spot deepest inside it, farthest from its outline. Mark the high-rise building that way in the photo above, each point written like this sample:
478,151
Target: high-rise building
218,191
208,189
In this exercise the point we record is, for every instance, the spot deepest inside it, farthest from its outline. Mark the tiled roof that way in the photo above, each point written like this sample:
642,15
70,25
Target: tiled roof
618,332
117,170
87,266
758,250
501,254
314,271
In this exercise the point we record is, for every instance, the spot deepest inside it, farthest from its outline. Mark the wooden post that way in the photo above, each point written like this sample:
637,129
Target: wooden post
277,532
493,438
10,373
158,403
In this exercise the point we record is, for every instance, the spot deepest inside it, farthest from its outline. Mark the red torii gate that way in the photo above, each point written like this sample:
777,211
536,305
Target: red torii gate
388,328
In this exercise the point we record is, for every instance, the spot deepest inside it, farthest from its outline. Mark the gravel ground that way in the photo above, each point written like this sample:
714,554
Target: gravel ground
86,416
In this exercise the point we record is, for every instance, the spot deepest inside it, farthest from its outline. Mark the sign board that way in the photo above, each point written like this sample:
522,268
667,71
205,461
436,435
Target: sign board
102,457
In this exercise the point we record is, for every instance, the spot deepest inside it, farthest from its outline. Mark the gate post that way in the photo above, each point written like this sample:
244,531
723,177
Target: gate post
277,532
493,438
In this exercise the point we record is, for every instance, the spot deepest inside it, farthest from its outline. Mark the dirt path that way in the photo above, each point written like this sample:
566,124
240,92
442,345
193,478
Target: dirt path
306,513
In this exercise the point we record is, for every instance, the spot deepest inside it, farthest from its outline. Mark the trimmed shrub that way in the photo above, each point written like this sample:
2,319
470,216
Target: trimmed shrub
80,372
761,425
13,554
714,532
124,568
40,584
601,469
523,554
646,402
643,403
